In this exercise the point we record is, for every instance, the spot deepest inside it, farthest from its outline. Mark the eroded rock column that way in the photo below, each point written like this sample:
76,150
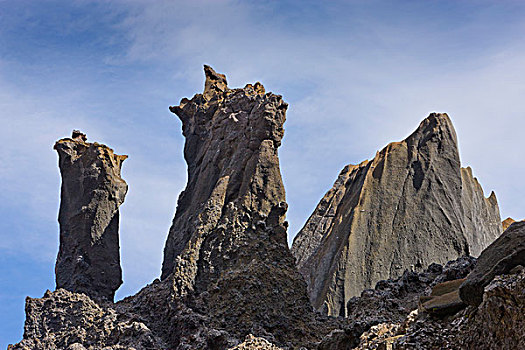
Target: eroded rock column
92,190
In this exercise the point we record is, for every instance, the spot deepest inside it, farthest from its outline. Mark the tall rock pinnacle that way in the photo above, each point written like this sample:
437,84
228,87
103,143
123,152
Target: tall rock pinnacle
410,206
226,253
92,190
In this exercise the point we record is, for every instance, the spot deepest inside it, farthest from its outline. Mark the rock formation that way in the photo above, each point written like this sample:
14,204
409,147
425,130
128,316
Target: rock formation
497,323
66,320
507,222
227,252
92,190
229,280
392,300
228,274
410,206
507,252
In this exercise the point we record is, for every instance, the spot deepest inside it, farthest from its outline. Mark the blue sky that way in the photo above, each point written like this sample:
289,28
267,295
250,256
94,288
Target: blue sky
357,75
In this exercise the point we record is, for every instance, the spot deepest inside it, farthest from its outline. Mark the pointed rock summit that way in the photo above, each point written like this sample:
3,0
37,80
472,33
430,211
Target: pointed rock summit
227,254
410,206
92,190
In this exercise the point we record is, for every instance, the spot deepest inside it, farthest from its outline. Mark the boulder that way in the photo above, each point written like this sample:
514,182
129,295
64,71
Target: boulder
410,206
444,299
504,254
92,191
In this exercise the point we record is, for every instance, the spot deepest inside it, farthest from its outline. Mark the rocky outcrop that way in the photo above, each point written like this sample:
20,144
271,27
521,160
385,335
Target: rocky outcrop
507,222
504,254
73,321
392,300
228,272
410,206
92,190
481,218
497,323
226,254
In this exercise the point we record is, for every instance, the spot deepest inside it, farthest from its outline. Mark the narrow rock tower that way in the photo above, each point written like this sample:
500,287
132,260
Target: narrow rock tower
92,190
227,251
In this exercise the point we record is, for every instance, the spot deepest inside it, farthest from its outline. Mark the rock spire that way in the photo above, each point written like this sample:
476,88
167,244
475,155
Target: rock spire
227,253
410,206
92,190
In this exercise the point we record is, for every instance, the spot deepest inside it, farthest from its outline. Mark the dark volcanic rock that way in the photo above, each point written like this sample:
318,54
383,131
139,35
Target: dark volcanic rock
226,256
392,300
228,274
92,190
73,321
412,205
507,252
497,323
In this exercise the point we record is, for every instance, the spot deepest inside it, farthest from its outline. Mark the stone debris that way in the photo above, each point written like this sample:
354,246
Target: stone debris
255,343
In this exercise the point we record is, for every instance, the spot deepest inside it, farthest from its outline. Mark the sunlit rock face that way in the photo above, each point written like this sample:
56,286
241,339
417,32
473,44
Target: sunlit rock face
92,190
410,206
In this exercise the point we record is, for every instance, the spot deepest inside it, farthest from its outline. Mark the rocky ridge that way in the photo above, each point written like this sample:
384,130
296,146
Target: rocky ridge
410,206
497,323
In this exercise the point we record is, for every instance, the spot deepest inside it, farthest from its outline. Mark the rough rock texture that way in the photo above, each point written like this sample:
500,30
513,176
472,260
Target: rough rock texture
226,253
227,272
391,301
444,299
412,205
92,190
507,252
481,217
497,323
67,320
255,343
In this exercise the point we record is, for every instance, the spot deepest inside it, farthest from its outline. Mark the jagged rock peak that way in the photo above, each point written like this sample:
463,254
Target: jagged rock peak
410,206
226,254
88,259
215,83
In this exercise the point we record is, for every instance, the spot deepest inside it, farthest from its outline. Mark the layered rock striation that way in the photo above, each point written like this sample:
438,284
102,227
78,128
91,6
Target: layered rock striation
410,206
92,191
